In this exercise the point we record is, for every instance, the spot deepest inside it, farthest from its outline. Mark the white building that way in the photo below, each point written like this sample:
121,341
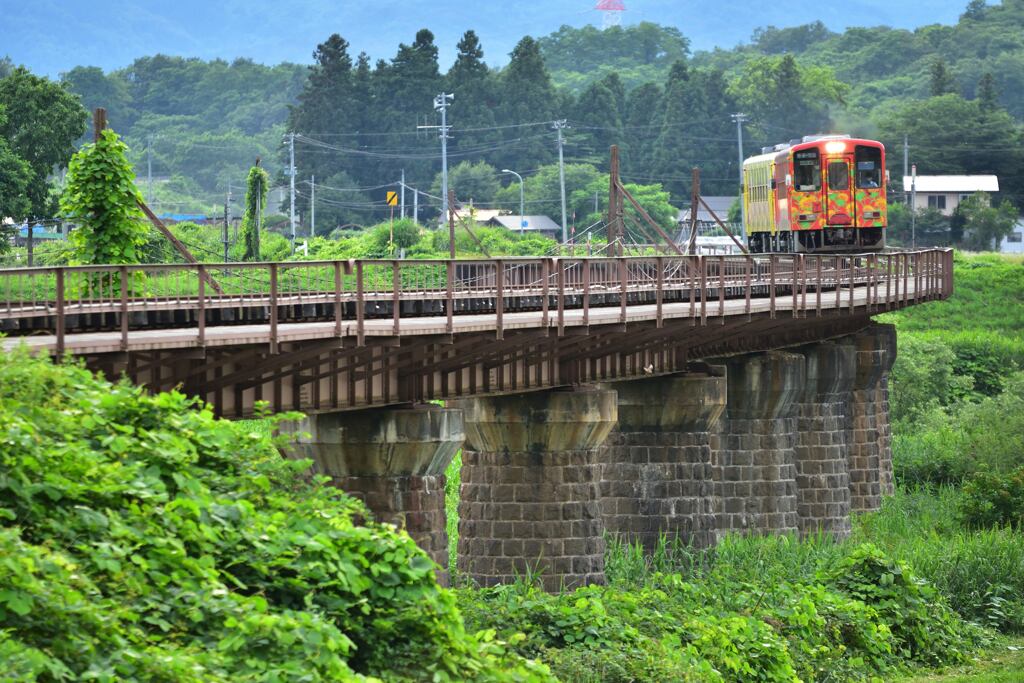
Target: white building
945,192
1014,242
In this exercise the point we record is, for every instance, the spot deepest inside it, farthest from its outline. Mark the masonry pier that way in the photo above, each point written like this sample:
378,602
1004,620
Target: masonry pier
822,474
529,500
756,445
394,460
870,454
657,473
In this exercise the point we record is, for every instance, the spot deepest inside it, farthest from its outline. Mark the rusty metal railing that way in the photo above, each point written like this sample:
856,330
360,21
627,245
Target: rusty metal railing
41,299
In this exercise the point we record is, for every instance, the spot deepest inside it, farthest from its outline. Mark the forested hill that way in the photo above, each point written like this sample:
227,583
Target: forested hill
956,90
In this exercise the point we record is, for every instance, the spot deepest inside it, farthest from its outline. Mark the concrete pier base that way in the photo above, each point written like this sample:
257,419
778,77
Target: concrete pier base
657,474
822,478
529,501
756,446
394,460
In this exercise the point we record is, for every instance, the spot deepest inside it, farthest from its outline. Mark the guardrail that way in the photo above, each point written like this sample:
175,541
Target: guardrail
550,285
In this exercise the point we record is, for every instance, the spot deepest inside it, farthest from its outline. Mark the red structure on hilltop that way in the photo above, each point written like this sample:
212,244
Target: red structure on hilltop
613,10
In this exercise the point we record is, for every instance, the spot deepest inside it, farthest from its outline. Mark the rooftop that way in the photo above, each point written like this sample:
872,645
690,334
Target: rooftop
533,223
953,183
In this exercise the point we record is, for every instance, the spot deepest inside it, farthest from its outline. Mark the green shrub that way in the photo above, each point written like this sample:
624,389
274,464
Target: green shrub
924,629
141,538
994,499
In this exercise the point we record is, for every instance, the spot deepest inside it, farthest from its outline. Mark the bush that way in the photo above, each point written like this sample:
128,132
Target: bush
994,499
141,538
924,629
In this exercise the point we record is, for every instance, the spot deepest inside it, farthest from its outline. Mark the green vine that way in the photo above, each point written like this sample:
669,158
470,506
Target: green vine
101,198
255,204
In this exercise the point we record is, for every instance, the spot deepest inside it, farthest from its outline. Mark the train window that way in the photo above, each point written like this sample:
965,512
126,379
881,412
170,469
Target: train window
808,171
838,175
869,166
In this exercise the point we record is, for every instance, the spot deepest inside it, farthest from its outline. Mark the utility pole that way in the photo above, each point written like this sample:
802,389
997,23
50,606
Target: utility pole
740,119
149,168
312,206
913,206
906,160
441,105
415,206
291,177
402,193
224,237
558,126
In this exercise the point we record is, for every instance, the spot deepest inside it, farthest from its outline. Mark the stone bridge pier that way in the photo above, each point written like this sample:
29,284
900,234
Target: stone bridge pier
756,446
870,450
657,474
530,501
394,460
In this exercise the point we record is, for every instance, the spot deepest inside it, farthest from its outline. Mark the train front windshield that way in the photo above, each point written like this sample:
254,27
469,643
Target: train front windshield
869,167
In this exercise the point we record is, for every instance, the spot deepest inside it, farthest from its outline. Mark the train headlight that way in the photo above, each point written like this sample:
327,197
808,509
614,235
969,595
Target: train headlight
835,147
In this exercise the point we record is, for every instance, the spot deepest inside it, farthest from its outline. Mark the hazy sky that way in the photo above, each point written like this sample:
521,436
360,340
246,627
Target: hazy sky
51,36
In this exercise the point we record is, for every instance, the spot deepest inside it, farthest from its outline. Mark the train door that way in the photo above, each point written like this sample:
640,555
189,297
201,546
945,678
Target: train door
839,191
870,188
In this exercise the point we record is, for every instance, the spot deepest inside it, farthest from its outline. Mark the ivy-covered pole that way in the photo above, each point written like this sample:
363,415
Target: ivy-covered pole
102,199
255,201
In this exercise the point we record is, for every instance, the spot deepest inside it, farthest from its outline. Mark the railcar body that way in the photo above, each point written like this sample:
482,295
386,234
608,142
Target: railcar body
818,194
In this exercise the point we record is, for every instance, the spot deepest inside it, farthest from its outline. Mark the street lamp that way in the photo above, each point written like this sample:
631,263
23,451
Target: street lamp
521,202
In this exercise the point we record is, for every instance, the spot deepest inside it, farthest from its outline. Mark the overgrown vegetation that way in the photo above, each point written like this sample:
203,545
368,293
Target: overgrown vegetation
143,539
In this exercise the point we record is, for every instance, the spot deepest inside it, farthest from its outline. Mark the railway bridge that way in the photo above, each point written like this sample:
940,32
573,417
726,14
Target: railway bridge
680,395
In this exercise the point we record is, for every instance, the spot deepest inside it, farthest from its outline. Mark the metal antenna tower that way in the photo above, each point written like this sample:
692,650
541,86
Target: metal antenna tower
740,119
611,12
558,126
441,105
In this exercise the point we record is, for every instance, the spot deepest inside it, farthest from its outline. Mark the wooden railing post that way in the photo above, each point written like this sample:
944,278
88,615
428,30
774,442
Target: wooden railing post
817,294
560,283
794,263
771,285
201,272
586,292
60,313
499,298
123,270
660,291
623,289
337,299
749,262
721,288
273,308
449,296
360,306
396,298
702,264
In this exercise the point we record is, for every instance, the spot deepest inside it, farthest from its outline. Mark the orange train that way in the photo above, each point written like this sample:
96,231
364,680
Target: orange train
819,194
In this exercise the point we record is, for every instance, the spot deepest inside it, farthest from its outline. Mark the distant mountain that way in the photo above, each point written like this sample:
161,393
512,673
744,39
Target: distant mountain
53,36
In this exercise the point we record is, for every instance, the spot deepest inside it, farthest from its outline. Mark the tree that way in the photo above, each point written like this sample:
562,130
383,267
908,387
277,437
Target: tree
528,96
988,96
543,195
976,10
986,225
471,181
961,138
255,205
43,122
101,198
941,81
597,117
15,176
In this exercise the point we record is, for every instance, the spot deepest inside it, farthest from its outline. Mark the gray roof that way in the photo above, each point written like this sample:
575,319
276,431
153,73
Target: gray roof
533,223
720,205
953,183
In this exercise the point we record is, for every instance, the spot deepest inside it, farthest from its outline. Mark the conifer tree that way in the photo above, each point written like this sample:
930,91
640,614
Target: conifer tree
988,96
941,81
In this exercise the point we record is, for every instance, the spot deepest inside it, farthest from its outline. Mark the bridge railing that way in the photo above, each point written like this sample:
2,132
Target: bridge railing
122,297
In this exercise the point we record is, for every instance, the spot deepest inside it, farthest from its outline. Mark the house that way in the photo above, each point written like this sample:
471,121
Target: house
40,233
945,192
1014,242
482,216
706,223
531,225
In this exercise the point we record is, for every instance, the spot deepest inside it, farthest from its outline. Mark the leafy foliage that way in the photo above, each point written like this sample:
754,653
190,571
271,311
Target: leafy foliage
255,206
43,120
993,499
141,538
102,199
